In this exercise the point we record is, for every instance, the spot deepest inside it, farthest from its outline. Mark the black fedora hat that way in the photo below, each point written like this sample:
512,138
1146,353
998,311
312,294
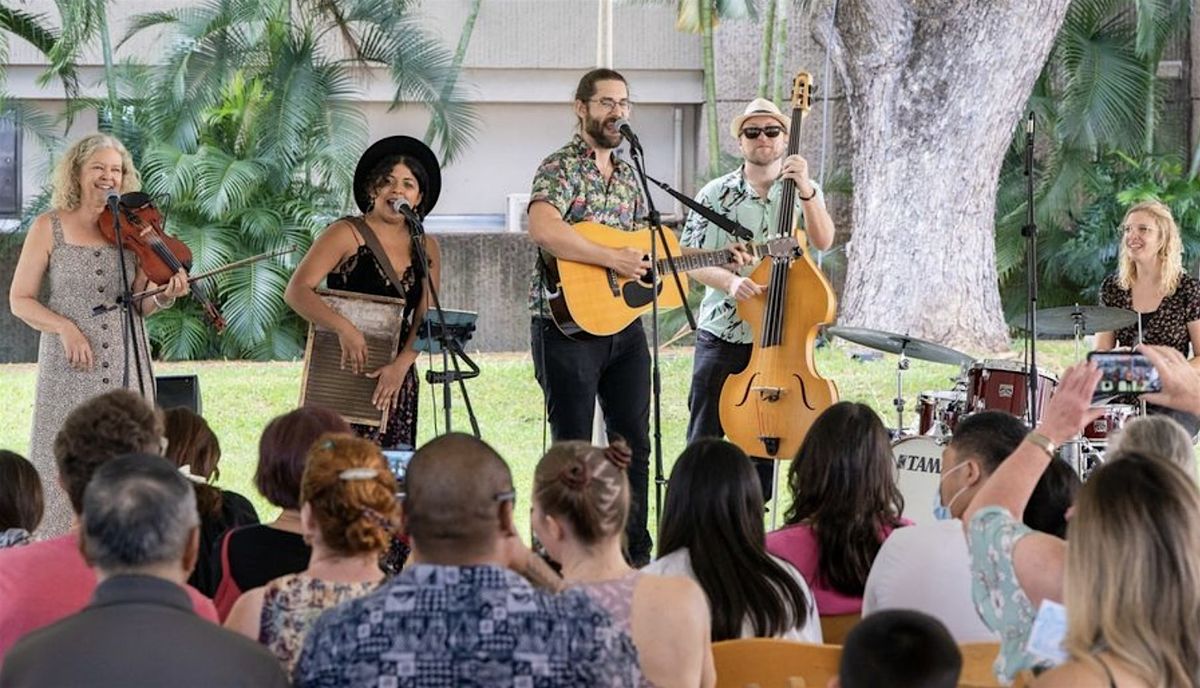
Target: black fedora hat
393,146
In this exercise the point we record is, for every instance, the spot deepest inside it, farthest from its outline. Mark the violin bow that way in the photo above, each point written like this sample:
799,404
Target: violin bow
137,297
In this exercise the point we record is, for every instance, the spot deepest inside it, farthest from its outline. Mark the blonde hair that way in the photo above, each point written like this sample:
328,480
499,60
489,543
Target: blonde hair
66,193
1158,437
1170,254
1132,581
588,486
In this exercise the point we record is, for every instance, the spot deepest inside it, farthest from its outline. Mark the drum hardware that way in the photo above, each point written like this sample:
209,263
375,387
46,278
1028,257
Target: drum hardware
898,401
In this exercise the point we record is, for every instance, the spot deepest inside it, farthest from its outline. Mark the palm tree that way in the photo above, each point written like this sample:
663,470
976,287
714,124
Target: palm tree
702,16
34,29
1096,101
460,53
248,128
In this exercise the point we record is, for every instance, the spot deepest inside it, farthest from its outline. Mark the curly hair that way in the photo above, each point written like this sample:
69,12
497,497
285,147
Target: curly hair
66,193
585,485
355,510
114,423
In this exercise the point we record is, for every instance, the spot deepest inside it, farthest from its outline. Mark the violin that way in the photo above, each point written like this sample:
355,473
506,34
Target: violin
160,255
768,408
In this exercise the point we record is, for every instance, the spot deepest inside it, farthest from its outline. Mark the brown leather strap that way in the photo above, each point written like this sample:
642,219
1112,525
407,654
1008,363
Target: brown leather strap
381,256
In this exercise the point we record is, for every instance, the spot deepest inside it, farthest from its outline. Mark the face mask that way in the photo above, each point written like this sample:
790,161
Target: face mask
942,511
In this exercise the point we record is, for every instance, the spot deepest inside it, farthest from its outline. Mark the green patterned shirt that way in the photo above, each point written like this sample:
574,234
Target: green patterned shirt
570,181
733,197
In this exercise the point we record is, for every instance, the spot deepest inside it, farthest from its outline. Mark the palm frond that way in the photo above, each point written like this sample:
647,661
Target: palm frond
225,183
32,28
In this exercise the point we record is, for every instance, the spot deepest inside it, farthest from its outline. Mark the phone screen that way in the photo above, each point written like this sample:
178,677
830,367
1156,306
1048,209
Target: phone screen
398,461
1125,372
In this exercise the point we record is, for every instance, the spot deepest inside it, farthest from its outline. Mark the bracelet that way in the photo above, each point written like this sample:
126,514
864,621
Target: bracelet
808,197
1042,442
170,302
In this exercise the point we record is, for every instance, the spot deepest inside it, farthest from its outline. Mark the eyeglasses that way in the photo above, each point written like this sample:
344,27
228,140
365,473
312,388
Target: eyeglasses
612,104
753,132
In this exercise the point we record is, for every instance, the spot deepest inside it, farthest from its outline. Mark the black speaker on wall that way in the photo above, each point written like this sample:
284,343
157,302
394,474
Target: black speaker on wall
178,390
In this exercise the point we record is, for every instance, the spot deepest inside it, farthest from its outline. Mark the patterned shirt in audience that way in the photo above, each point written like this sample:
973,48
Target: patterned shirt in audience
291,604
570,181
14,537
1002,604
435,626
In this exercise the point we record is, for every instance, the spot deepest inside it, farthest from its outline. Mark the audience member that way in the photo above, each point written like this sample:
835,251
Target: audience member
1052,499
46,581
193,447
250,556
456,615
20,499
712,532
140,531
926,567
1009,582
1159,436
899,649
348,511
845,503
580,504
1136,624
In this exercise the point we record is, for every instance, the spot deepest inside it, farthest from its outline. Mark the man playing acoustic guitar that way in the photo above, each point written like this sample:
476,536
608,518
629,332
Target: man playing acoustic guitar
585,181
750,196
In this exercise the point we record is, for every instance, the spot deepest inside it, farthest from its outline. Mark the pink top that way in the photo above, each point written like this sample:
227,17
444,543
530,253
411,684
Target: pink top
47,581
798,546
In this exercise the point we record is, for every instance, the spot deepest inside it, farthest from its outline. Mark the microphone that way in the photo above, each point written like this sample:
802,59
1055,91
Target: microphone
627,132
401,206
112,198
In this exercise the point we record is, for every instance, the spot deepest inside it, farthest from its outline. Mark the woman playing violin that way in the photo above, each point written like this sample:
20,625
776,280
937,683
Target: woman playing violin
394,170
80,354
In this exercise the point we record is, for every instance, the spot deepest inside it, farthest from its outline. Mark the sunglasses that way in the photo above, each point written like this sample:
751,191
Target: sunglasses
753,132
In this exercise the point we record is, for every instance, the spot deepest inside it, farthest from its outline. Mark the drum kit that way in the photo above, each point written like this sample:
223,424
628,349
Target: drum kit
985,385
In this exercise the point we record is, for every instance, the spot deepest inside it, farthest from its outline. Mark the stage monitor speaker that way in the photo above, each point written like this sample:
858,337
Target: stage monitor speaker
178,390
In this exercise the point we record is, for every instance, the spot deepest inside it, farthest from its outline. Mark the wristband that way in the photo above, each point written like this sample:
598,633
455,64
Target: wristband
808,197
1041,442
170,302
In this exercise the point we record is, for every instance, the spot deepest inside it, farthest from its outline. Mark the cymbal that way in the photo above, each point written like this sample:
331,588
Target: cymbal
899,343
1060,322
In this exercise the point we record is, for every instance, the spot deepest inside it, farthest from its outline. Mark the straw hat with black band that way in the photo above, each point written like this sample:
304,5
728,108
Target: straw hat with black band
395,146
759,107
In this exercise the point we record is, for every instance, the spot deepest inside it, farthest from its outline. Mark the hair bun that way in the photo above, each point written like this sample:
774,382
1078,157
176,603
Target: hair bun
575,474
619,454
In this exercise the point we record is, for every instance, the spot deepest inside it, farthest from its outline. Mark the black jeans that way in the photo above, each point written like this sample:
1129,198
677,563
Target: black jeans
714,360
573,372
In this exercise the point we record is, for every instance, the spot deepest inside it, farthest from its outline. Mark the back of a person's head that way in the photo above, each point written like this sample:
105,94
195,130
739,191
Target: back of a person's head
899,648
586,487
714,509
283,447
351,494
191,443
1132,580
138,512
988,437
1158,437
454,488
843,484
108,425
1046,510
20,493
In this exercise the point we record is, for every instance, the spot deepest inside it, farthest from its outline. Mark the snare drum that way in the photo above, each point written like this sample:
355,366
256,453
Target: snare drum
918,473
939,411
1003,386
1115,417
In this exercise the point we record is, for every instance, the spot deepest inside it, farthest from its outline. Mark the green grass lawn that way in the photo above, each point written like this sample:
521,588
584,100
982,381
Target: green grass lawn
239,398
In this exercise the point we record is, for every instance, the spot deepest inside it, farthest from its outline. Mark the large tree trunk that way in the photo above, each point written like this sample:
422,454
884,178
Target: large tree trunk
934,89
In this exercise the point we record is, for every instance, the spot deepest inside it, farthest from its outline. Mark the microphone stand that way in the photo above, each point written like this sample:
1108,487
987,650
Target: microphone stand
658,236
731,227
125,302
451,350
1030,232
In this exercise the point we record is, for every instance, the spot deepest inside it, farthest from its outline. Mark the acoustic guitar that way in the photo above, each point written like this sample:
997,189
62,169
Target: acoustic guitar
595,299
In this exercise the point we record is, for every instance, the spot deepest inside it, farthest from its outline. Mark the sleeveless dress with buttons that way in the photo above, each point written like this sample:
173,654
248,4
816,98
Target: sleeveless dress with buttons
80,278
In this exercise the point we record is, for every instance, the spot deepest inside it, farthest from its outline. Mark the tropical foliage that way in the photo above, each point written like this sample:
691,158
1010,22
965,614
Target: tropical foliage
1097,104
246,131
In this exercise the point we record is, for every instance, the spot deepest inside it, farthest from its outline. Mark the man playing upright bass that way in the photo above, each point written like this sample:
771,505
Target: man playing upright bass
750,196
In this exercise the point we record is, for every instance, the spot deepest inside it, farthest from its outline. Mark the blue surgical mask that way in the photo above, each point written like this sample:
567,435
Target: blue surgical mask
942,511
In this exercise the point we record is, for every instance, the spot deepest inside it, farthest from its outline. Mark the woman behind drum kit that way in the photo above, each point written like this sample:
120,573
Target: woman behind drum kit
1151,281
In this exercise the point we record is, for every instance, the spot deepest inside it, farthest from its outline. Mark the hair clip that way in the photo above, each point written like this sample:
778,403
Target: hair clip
186,470
358,474
327,444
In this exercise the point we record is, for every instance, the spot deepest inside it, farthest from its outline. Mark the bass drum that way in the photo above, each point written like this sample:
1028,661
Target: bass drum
918,473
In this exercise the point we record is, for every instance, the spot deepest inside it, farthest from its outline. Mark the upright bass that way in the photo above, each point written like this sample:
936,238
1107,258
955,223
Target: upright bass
767,408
